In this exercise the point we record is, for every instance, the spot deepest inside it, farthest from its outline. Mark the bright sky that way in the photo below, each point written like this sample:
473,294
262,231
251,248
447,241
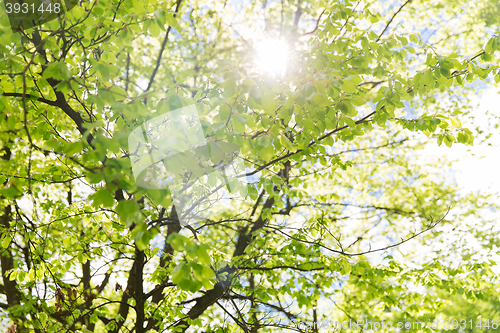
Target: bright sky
477,168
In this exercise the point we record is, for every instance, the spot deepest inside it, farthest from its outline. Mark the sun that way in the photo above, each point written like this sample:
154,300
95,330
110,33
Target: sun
272,56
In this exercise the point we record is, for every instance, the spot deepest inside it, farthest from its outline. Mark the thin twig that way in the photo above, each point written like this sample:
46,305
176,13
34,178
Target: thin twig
392,18
317,24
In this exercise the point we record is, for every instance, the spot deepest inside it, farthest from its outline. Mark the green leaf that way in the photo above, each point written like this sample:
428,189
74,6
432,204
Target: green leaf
11,122
207,273
73,148
202,254
171,20
348,86
486,57
103,69
6,241
178,242
346,267
268,104
264,141
308,91
110,326
349,121
142,236
343,108
455,122
154,29
103,197
229,87
180,272
128,211
462,138
11,192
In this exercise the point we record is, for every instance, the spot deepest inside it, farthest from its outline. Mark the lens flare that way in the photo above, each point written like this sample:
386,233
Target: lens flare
272,56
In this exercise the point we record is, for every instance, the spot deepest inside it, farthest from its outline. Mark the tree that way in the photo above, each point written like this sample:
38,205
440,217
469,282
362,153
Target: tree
334,227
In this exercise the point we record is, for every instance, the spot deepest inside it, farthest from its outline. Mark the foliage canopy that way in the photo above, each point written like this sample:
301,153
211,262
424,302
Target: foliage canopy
347,220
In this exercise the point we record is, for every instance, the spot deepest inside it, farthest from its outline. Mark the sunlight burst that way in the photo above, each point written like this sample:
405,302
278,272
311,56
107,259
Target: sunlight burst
272,56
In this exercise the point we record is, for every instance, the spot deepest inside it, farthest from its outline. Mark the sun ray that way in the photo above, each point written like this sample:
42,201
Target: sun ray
272,56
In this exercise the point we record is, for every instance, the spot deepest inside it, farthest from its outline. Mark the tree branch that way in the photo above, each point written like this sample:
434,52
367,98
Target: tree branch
317,24
43,100
392,18
163,44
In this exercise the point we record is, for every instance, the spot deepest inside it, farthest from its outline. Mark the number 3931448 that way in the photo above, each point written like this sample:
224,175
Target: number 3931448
26,14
